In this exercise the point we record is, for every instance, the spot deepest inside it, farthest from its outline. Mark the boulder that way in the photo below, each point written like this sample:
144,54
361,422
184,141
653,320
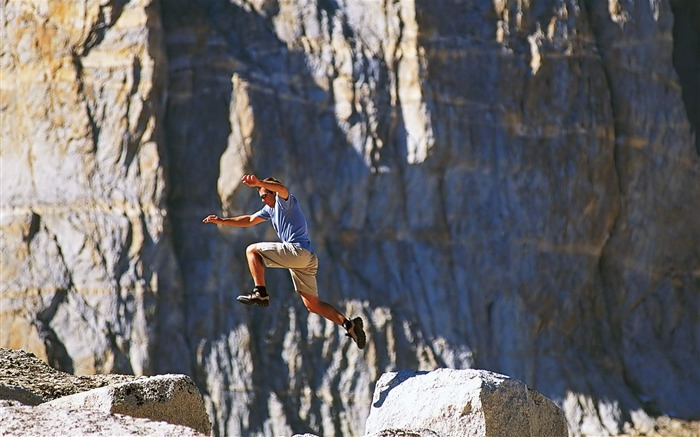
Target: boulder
30,381
44,420
169,398
464,403
94,404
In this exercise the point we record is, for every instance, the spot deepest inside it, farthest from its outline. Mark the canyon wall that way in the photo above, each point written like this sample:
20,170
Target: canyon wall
504,185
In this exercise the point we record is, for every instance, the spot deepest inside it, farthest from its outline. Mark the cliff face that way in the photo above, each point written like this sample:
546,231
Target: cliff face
491,184
86,263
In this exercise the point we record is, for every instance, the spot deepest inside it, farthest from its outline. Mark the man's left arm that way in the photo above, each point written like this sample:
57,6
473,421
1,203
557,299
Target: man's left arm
253,181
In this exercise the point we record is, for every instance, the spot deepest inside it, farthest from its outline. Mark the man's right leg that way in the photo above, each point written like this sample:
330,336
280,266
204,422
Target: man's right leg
260,256
256,265
258,296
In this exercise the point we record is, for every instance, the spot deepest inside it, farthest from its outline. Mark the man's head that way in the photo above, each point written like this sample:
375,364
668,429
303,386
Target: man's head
268,196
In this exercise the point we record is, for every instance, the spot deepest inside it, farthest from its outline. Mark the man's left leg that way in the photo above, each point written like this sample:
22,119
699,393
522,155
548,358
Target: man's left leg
354,328
305,279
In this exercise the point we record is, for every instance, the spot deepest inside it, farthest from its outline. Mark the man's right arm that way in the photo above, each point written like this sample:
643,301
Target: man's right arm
241,221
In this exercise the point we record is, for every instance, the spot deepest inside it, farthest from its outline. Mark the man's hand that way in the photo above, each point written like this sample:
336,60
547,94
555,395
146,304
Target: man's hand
211,219
270,184
251,180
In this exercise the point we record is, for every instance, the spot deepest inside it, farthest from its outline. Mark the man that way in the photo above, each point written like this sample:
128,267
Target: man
294,253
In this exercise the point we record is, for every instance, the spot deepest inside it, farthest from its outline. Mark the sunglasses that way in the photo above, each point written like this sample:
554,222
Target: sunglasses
264,195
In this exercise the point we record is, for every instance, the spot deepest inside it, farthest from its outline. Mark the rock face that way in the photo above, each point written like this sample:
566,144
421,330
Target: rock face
464,403
490,183
87,265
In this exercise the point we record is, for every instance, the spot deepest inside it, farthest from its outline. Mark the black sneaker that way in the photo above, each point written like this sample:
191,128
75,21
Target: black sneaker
355,331
254,298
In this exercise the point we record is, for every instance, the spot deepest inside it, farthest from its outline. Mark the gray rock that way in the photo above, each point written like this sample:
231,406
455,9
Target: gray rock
45,420
65,400
495,184
461,403
28,379
167,398
83,194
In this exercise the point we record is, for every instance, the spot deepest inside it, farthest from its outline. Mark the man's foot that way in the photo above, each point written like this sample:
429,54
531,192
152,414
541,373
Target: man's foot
355,331
254,298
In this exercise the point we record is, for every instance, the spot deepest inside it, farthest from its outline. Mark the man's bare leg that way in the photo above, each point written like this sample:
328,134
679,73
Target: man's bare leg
322,308
256,265
354,327
258,296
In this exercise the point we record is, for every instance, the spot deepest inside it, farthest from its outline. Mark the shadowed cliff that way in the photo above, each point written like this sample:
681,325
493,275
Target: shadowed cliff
488,184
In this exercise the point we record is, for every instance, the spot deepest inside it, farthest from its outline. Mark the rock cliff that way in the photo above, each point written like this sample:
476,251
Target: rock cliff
497,184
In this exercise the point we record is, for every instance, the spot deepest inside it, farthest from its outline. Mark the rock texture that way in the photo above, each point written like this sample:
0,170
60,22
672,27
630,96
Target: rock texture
20,421
100,405
497,184
461,403
86,260
167,398
29,380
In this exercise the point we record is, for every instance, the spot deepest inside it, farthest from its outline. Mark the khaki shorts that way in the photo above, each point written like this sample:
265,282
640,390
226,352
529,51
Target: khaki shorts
302,264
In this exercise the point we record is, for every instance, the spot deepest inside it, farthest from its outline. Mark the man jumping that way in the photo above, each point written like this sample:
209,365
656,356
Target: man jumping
294,253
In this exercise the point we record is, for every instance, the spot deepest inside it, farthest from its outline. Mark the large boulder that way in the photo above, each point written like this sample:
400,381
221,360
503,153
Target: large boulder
30,381
72,404
464,403
168,398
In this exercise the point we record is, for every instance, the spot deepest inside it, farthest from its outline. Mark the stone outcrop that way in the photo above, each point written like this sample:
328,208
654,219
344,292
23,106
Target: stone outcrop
39,400
168,398
30,381
496,184
461,403
421,395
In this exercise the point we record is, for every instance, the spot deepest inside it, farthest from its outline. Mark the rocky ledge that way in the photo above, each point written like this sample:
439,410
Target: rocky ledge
39,400
36,399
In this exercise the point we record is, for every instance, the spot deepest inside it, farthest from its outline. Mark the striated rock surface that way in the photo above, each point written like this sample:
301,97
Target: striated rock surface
490,183
87,264
461,403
